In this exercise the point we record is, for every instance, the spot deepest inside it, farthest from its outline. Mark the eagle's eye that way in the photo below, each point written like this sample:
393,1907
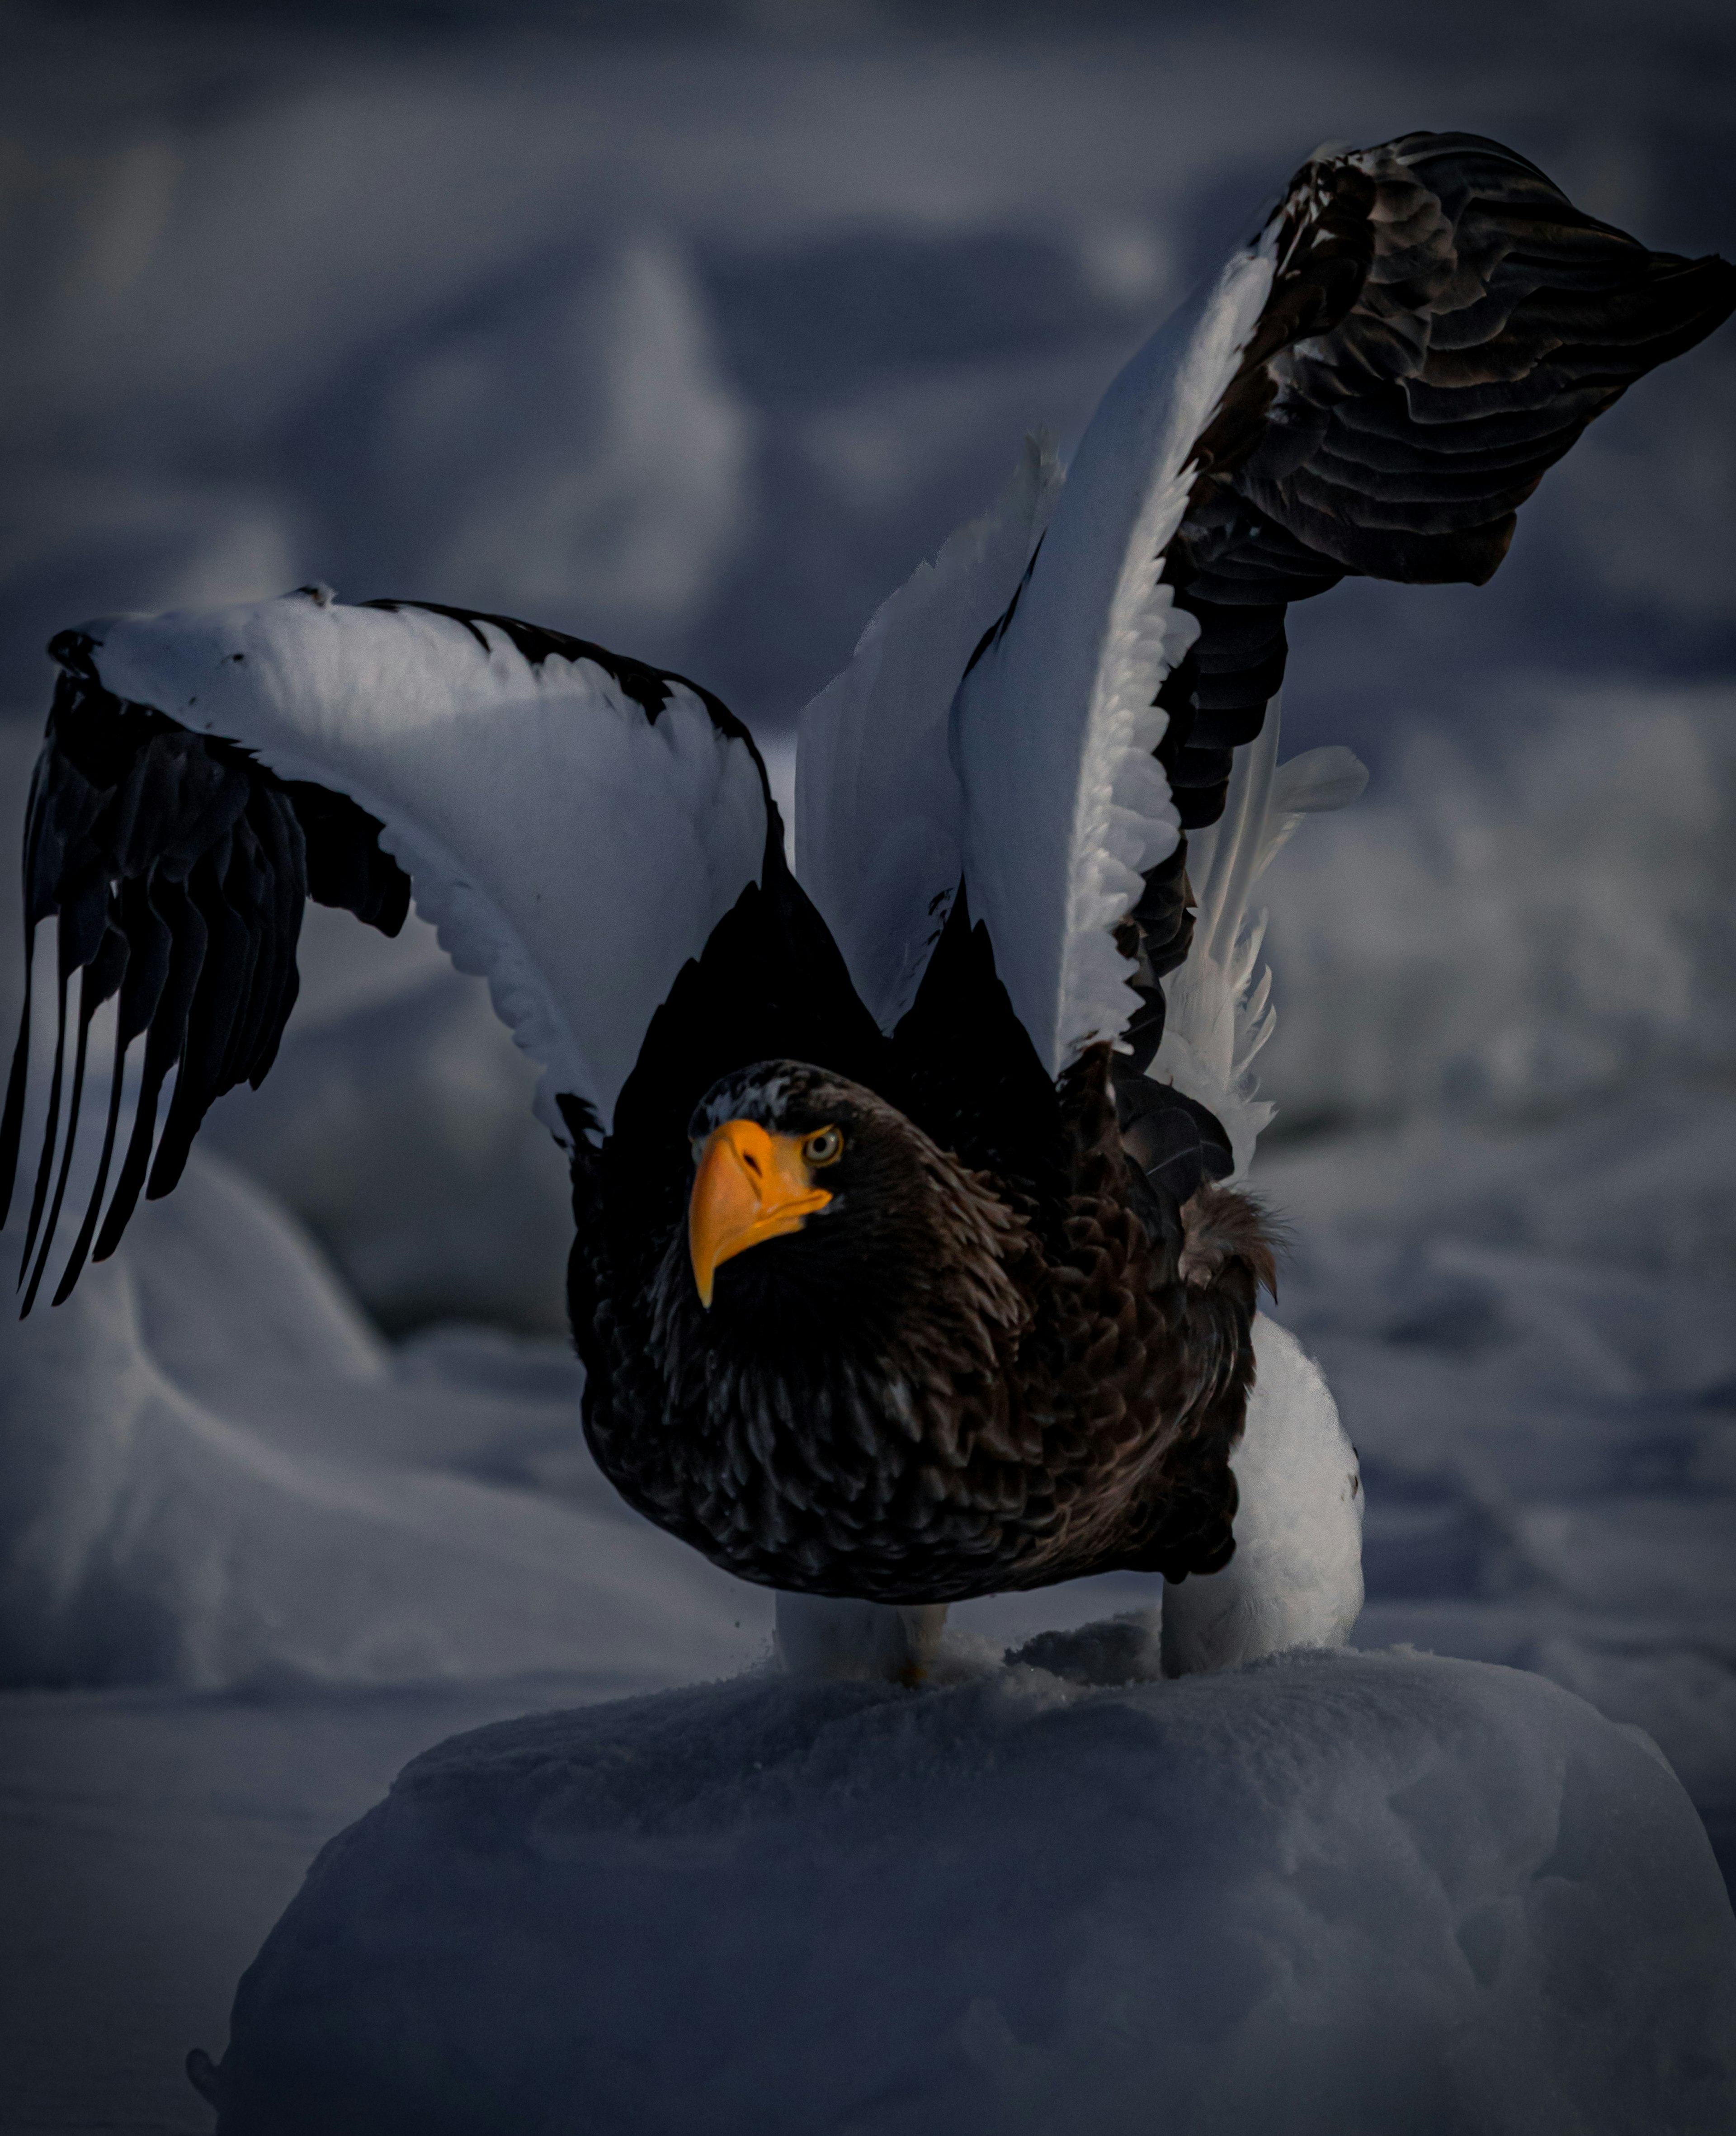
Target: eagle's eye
827,1147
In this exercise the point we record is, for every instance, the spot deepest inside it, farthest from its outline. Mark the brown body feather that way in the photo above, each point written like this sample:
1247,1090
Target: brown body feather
988,1401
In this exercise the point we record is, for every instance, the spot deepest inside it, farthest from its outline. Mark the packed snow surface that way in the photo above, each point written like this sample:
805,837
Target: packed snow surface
1326,1897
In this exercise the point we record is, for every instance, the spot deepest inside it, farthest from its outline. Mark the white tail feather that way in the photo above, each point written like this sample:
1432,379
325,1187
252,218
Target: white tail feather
1220,1012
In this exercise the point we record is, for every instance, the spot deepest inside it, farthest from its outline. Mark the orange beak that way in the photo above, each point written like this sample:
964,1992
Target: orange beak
749,1187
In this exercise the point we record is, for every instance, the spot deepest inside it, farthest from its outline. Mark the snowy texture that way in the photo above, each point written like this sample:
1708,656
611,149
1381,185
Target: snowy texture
879,826
1338,1896
569,847
640,491
453,1201
1219,1012
215,1474
1054,727
1296,1580
1506,929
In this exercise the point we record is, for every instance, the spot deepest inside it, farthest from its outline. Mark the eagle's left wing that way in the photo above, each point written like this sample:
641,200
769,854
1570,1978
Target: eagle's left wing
1373,384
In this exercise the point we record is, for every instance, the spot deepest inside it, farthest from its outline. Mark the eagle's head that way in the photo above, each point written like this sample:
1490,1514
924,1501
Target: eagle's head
820,1220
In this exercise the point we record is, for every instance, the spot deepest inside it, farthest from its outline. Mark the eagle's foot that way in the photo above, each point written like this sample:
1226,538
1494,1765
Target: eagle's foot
821,1635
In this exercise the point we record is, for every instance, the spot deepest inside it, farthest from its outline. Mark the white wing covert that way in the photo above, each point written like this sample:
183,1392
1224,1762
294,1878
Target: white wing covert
574,825
879,811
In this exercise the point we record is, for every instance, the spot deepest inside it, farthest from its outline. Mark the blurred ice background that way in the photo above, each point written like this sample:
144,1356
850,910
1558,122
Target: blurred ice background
691,327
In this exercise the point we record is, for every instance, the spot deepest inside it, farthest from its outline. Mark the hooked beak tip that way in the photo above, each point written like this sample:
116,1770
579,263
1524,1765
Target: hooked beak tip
748,1186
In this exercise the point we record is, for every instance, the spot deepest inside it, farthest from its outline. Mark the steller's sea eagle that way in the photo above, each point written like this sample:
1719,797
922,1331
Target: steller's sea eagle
908,1267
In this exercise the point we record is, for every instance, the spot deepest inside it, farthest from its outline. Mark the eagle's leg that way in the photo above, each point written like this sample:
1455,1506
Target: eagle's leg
819,1635
1296,1580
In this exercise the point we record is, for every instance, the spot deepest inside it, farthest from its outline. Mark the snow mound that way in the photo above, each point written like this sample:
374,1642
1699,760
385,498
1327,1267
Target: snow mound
1332,1894
214,1473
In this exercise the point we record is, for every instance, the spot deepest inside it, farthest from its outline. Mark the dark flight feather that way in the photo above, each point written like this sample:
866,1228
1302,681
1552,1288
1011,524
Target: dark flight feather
1442,325
178,869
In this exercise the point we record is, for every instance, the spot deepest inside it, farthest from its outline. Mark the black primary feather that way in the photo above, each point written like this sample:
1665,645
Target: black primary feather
1442,325
178,868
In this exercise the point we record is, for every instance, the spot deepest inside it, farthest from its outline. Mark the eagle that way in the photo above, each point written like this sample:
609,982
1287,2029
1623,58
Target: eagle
910,1263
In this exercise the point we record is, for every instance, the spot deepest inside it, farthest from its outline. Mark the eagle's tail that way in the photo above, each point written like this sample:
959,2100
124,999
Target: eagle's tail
1220,1012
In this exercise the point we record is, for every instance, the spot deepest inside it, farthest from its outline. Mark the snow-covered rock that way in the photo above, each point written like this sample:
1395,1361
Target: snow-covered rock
1337,1893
